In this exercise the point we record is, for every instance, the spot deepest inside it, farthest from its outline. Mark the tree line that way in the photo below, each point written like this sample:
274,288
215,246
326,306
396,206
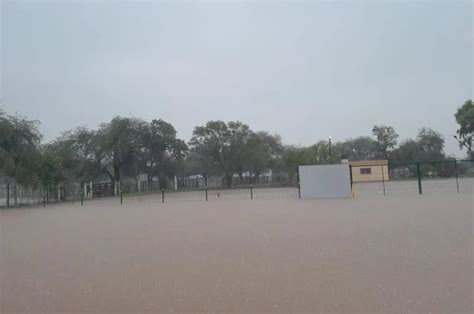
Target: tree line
128,147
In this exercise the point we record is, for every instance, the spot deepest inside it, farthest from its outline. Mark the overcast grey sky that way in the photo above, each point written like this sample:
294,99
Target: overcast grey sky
305,70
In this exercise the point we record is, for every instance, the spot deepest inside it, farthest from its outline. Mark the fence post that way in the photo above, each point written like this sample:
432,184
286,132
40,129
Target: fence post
206,193
162,195
418,170
8,195
15,196
352,181
456,171
383,181
251,191
44,196
299,190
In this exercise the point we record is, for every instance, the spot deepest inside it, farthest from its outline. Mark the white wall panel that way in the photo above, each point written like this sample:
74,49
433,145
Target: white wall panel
325,181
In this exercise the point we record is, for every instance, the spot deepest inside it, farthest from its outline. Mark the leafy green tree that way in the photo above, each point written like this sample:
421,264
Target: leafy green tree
294,157
386,139
160,149
53,170
321,152
465,118
197,162
317,154
19,148
431,145
118,143
76,152
406,153
359,148
90,162
428,146
223,144
263,150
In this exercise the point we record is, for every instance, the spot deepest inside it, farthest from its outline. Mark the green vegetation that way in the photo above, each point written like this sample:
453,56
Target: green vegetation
128,147
465,134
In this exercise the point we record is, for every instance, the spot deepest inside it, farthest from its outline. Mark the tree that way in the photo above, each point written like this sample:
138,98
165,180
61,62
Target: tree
223,144
316,154
428,146
262,152
77,152
296,156
89,155
359,148
430,140
198,163
160,149
321,152
406,153
386,139
52,170
19,148
465,118
118,144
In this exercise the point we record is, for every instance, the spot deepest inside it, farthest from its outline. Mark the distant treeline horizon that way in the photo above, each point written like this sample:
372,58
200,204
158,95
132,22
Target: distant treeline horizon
127,146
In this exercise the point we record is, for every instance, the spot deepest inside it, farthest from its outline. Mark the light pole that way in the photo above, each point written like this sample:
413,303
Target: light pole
330,150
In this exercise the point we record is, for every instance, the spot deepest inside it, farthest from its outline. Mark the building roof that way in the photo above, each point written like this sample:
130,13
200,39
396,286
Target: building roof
368,163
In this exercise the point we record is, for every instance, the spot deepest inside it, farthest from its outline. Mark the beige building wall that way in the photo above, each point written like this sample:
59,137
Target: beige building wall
375,175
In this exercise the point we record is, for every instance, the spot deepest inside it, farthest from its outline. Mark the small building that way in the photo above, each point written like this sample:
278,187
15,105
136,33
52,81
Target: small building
369,170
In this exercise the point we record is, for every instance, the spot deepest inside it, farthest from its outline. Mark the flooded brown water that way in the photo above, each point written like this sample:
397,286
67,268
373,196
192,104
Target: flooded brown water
390,255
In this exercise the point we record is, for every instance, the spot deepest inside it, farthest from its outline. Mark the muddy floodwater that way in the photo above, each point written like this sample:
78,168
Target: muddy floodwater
388,255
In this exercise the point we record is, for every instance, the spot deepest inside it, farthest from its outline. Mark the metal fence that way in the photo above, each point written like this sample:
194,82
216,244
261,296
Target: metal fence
15,195
241,193
450,176
437,177
131,185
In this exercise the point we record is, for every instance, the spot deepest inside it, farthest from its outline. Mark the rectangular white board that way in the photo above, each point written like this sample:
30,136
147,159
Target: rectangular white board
325,181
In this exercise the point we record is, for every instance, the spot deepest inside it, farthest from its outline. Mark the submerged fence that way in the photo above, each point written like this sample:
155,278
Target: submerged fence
14,195
449,176
368,180
131,185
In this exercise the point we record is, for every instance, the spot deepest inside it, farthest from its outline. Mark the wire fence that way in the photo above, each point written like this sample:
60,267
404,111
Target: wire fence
368,180
131,185
436,177
15,195
250,192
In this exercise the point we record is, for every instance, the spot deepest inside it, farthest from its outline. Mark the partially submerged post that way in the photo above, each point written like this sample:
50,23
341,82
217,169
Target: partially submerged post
418,170
383,180
121,193
15,201
8,194
82,193
456,171
352,181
